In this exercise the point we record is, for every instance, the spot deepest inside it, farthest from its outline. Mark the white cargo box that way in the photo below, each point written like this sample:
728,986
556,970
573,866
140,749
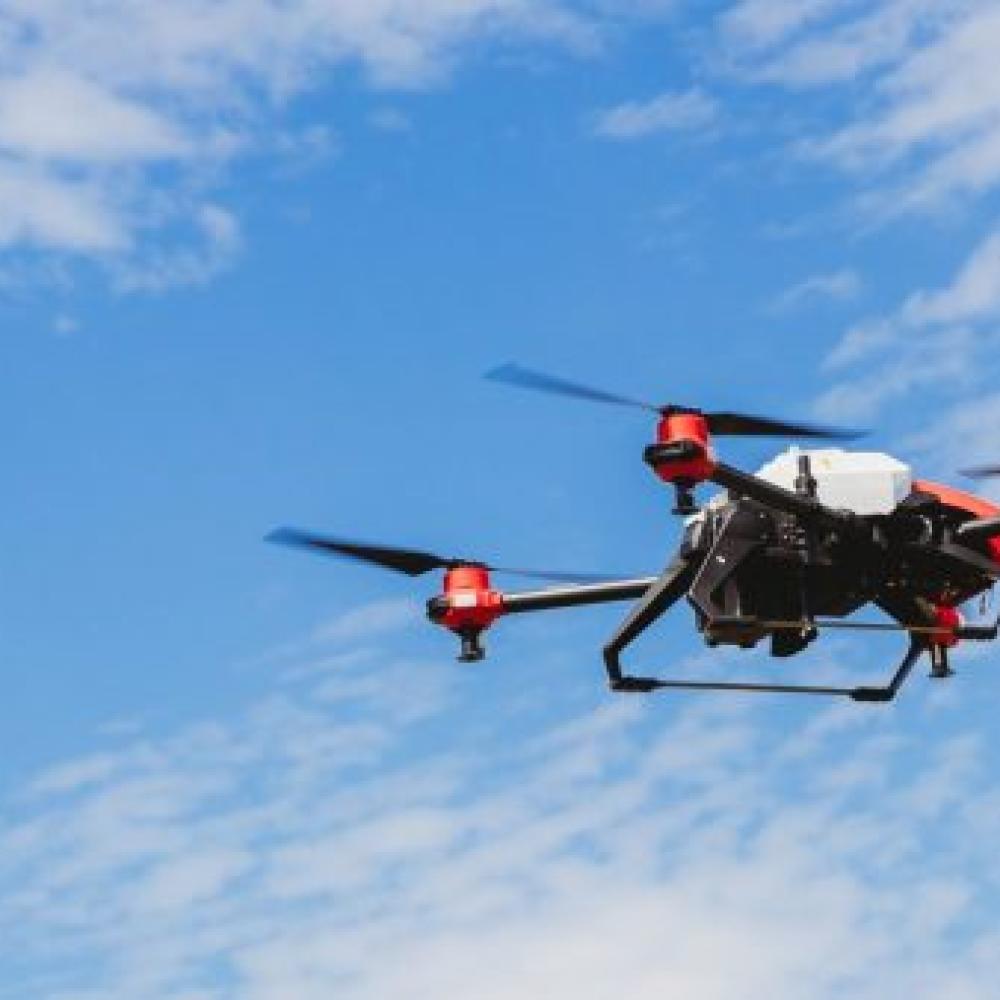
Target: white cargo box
866,482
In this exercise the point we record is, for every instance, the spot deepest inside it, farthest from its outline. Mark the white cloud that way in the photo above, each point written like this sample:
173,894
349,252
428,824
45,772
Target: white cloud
359,626
194,260
190,879
194,52
307,849
388,119
973,295
947,360
56,116
758,24
307,147
934,339
840,286
845,38
116,117
77,774
65,325
685,110
962,435
369,621
41,209
861,340
928,126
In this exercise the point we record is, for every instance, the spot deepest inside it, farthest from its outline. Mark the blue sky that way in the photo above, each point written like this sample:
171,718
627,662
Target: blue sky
254,258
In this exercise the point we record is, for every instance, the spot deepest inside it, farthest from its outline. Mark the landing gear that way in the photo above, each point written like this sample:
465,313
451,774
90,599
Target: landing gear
660,597
709,575
472,646
940,667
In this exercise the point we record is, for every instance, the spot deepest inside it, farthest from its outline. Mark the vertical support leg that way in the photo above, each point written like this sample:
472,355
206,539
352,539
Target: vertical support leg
940,667
661,596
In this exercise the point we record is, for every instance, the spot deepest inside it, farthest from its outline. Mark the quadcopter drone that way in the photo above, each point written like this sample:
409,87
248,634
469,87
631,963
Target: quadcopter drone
781,554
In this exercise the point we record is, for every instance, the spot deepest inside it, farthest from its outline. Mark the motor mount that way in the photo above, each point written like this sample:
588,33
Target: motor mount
682,455
468,606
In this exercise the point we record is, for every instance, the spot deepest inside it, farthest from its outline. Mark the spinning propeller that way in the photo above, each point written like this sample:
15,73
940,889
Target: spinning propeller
982,471
724,422
412,562
468,605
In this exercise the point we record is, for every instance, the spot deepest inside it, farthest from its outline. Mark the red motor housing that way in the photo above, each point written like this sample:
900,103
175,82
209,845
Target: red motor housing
688,435
949,619
469,602
468,606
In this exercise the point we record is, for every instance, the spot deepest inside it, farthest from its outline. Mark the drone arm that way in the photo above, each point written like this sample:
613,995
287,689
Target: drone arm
574,597
470,606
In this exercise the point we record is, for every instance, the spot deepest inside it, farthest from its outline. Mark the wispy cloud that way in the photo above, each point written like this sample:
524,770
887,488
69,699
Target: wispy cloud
929,130
839,286
761,24
935,338
973,295
963,434
672,111
941,361
58,116
832,41
204,248
302,849
371,621
388,119
117,125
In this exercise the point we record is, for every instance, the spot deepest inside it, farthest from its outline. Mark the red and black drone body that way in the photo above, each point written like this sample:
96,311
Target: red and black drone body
814,535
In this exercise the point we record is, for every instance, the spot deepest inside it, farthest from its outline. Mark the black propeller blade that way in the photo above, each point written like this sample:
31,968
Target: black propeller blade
981,471
733,424
744,425
525,378
409,561
412,562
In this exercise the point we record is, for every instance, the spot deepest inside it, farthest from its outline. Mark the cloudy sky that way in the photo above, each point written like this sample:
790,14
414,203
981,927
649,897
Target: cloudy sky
254,257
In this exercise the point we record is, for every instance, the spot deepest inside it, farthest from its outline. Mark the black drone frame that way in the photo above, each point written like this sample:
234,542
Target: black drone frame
698,575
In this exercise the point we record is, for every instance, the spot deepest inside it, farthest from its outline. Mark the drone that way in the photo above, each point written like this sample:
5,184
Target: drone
779,555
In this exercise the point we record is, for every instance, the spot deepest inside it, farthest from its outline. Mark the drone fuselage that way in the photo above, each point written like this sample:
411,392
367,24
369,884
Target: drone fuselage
762,571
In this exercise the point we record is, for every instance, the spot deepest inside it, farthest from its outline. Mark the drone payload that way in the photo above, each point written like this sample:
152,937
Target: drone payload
863,482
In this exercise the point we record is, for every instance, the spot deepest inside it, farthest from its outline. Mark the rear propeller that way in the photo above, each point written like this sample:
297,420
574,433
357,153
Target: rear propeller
723,423
412,562
981,472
